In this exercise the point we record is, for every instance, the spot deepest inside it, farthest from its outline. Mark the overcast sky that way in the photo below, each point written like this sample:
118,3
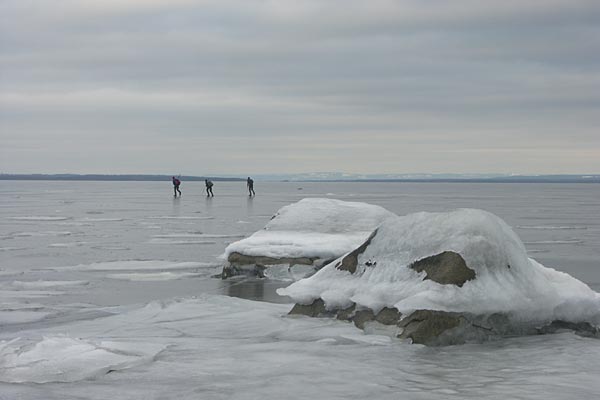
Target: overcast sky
249,87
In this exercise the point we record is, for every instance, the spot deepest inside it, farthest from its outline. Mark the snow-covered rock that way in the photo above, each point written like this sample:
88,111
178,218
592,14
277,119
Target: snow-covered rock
451,277
310,232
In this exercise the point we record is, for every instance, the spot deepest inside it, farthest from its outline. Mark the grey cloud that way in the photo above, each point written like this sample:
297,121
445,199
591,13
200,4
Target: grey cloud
302,80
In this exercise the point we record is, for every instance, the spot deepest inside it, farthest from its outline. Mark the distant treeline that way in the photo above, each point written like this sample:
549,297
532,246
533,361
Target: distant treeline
498,179
99,177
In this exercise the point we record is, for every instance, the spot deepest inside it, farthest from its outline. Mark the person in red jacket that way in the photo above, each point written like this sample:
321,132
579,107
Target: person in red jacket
176,183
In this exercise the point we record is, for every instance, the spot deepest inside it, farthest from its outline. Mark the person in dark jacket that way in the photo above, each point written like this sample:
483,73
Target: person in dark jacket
250,184
209,186
176,183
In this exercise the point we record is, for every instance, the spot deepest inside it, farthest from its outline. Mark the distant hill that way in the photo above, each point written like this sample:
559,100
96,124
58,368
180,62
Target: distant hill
99,177
473,178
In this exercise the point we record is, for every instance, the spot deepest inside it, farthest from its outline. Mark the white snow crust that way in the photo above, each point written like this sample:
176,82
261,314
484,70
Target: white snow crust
65,359
46,284
313,227
527,291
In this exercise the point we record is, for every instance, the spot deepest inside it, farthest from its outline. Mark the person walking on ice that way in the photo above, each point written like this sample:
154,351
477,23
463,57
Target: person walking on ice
176,183
250,184
209,186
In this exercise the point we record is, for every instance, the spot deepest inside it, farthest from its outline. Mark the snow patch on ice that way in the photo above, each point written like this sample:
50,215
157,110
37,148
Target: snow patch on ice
8,317
38,218
65,359
66,245
40,233
46,284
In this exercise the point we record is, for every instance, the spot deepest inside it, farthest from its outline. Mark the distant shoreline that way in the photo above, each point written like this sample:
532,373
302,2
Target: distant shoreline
100,177
142,178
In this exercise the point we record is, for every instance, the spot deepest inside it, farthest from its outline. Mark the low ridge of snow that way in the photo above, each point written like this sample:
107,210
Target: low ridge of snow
314,228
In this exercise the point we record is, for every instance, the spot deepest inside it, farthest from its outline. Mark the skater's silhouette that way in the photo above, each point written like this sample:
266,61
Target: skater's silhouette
209,186
176,183
250,184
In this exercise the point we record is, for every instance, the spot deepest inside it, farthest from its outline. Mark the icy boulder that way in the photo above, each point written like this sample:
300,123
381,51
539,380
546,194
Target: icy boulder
447,278
305,236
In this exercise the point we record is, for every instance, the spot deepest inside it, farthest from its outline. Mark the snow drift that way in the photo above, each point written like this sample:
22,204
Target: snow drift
65,359
503,292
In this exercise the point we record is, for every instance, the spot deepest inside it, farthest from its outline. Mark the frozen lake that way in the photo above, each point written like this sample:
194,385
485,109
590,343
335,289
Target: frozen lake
117,276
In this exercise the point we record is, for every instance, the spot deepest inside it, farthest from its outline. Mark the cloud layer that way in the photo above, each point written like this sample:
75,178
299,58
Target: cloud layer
256,86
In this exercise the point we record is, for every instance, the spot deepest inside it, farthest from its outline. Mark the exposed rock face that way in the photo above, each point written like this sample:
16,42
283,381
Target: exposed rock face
424,326
350,260
241,264
315,309
242,259
346,313
361,317
447,268
580,328
388,316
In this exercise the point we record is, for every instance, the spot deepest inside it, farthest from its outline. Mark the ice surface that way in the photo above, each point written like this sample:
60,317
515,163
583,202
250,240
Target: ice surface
38,218
21,316
103,219
549,227
134,265
314,228
196,236
219,347
222,348
65,359
179,242
553,242
46,284
507,281
154,276
285,272
26,294
40,233
179,217
66,245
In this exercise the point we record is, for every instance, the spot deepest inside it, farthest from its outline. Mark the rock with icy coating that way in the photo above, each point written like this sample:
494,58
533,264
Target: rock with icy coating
450,278
310,232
